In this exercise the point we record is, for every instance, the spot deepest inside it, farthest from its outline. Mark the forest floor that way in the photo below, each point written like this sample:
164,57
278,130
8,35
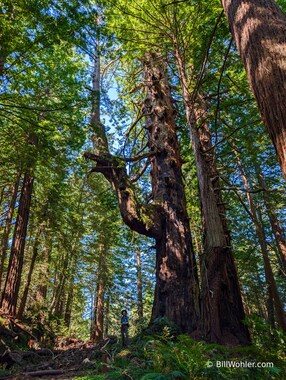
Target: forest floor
157,356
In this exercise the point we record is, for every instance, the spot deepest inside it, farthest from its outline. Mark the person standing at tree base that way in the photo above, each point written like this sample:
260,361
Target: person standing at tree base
124,328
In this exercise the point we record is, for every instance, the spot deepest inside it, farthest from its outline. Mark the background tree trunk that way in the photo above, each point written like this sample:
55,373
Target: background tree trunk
269,277
68,308
275,224
13,279
222,311
29,278
139,286
259,30
7,228
97,331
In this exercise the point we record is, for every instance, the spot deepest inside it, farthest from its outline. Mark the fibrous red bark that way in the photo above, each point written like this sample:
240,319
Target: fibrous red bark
165,218
13,279
259,31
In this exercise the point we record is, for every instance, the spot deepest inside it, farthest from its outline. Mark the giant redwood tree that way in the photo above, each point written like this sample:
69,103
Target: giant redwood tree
165,219
259,30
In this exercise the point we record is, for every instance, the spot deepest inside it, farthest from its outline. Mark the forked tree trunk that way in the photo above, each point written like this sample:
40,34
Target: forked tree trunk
139,286
259,30
7,228
13,279
165,219
222,311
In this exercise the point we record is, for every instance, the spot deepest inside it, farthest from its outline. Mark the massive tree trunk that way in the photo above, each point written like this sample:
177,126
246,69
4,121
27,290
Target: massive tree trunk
7,228
273,295
222,311
221,303
176,288
165,219
259,30
13,279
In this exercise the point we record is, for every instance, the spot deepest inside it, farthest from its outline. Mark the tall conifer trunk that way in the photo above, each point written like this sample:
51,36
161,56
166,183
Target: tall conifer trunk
222,311
273,295
259,30
139,285
176,273
97,331
275,224
13,279
221,302
165,218
7,228
29,278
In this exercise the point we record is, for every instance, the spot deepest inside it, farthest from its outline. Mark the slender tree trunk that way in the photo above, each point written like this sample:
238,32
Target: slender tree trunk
13,279
270,280
7,228
2,193
71,278
222,312
99,140
259,30
99,295
68,309
275,225
139,286
59,295
261,306
57,301
42,287
29,279
106,319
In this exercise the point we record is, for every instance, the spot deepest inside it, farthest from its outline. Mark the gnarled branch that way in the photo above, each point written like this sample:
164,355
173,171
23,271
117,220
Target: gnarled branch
144,219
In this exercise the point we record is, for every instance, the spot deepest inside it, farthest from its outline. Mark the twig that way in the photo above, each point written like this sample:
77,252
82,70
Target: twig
138,158
108,340
142,171
217,110
47,372
206,57
21,328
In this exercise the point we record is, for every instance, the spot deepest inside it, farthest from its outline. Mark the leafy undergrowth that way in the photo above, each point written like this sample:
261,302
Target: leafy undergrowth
160,355
166,358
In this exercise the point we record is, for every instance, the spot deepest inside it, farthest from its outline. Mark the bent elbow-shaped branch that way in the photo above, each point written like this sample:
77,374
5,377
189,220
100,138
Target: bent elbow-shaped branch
144,219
